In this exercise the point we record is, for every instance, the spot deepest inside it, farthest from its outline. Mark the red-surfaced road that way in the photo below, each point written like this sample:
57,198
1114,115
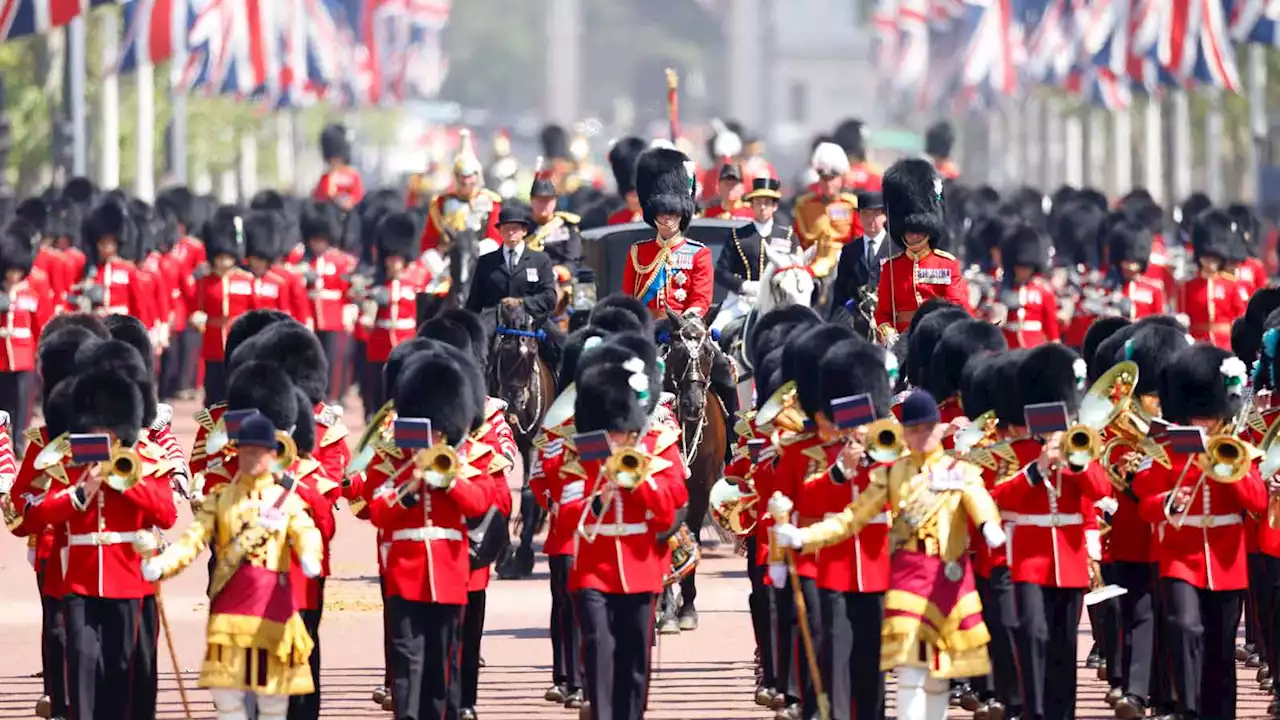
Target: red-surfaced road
701,674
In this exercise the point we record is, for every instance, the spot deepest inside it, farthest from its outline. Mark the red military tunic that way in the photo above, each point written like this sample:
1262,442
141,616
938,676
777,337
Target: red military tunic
1036,321
720,212
553,490
319,493
907,281
206,420
76,261
397,320
623,556
863,176
157,286
1130,538
1049,520
188,254
801,458
123,292
293,294
1208,551
28,485
675,276
332,451
328,290
427,559
343,186
219,300
861,563
20,327
101,561
1159,266
1252,274
442,207
1210,305
1006,458
626,215
495,433
841,211
1146,297
54,264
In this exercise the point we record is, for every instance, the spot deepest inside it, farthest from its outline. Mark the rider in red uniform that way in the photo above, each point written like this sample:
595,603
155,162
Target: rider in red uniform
622,159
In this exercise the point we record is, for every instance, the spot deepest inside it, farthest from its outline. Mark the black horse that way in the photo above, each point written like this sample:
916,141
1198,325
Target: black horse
454,268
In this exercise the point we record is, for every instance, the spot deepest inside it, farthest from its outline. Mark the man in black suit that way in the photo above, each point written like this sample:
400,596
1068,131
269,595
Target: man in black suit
742,262
861,259
514,274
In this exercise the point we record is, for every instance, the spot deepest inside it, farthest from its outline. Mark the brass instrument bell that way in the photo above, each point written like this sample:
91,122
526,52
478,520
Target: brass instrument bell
1227,459
730,503
1082,444
884,440
436,466
286,453
1268,467
781,409
124,470
58,450
627,467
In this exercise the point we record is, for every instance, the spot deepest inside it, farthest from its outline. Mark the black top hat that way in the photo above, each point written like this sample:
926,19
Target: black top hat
257,430
514,213
870,200
731,171
765,187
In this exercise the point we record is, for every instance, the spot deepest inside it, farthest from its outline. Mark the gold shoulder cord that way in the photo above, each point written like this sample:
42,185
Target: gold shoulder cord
746,265
647,271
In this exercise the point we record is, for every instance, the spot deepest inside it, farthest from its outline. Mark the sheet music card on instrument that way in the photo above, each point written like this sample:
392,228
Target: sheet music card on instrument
88,449
593,445
1046,418
755,446
411,433
853,411
1186,440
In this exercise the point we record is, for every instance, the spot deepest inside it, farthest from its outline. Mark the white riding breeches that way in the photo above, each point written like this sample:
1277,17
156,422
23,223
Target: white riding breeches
920,696
230,705
733,307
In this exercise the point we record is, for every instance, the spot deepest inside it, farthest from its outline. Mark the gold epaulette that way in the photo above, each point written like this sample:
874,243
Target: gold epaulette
743,428
667,437
306,466
896,255
569,218
34,435
804,198
204,417
492,195
943,254
849,198
817,462
497,461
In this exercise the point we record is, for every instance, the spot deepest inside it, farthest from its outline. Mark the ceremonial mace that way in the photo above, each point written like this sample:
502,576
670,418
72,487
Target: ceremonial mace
149,550
780,510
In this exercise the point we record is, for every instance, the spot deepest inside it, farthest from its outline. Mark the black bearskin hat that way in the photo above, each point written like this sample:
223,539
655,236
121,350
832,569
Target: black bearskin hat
555,142
448,332
851,136
129,329
118,356
83,320
105,399
18,246
1190,209
854,367
249,324
81,191
474,327
1052,373
179,204
1129,242
628,304
773,328
1101,329
1193,386
1212,235
622,160
1075,228
111,219
296,350
1008,402
223,233
398,236
319,220
434,385
304,427
400,354
1151,347
923,338
574,347
664,185
1246,331
265,387
610,385
58,407
57,354
263,236
615,320
268,200
35,211
334,144
960,343
980,385
474,369
913,200
1249,226
1024,246
939,139
768,376
800,358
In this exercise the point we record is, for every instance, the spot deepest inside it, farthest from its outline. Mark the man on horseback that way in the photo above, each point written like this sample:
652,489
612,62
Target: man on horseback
470,205
516,275
742,267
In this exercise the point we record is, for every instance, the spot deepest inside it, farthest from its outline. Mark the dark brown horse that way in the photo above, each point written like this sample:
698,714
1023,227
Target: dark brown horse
688,357
519,376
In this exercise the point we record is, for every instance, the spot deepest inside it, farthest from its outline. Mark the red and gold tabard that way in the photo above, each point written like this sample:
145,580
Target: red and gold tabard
1211,303
720,211
675,275
219,300
907,280
451,211
830,222
1035,322
625,216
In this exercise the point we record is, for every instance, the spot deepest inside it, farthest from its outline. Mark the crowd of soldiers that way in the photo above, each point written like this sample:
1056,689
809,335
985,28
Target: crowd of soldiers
944,457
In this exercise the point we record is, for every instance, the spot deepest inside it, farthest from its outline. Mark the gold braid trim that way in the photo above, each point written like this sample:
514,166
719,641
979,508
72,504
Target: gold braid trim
647,271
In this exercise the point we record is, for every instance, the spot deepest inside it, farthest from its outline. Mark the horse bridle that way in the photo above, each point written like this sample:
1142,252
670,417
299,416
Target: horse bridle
693,376
527,347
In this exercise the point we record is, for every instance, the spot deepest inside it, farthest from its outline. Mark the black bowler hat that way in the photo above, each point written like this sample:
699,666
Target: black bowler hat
516,213
765,187
920,408
731,171
257,430
870,200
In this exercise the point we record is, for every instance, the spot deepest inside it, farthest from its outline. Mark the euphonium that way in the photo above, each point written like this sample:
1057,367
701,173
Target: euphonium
626,467
730,501
364,450
1109,406
781,410
123,470
286,452
1268,468
884,440
58,450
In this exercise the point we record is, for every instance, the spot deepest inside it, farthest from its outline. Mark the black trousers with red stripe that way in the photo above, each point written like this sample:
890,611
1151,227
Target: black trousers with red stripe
424,650
791,659
566,635
1000,615
616,634
53,653
1201,628
761,605
850,658
1048,622
111,658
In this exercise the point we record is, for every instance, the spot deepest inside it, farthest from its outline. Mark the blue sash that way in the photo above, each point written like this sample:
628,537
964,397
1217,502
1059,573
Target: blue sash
659,281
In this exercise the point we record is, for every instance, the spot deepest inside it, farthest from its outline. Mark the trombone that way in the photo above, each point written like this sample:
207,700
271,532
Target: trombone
1226,459
625,469
884,441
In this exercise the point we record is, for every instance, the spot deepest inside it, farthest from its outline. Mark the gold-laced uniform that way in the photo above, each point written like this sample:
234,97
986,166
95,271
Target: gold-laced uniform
932,614
256,639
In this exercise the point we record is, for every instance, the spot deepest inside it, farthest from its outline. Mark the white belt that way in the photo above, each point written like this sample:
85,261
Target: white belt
18,332
106,538
325,294
401,324
622,529
426,534
1028,326
881,519
114,310
1209,521
1050,520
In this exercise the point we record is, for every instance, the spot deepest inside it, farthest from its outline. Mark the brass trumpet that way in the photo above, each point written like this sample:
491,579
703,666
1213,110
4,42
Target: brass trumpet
1268,468
627,467
884,440
124,470
436,466
1082,445
1226,459
286,453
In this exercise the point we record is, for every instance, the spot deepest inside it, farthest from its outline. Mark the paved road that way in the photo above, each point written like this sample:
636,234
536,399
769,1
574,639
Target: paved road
703,674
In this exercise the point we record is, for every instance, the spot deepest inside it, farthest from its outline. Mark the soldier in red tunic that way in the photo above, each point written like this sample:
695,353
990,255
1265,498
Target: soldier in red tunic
826,217
24,309
1029,302
1246,264
389,309
1134,295
724,148
1201,555
110,285
341,183
326,275
938,141
730,188
622,159
223,292
915,209
1209,302
851,136
470,205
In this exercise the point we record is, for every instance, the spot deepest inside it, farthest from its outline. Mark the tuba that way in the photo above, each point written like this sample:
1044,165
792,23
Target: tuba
731,501
1268,467
124,470
884,441
782,410
1109,407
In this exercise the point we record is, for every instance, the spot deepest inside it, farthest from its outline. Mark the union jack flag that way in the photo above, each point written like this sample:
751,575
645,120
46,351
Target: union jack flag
311,50
993,42
229,49
1194,45
149,32
1052,46
1255,21
19,18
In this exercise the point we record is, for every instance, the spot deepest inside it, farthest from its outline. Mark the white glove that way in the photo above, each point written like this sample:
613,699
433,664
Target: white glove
750,288
1107,505
778,574
1093,544
31,557
788,535
145,544
311,567
152,569
993,534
